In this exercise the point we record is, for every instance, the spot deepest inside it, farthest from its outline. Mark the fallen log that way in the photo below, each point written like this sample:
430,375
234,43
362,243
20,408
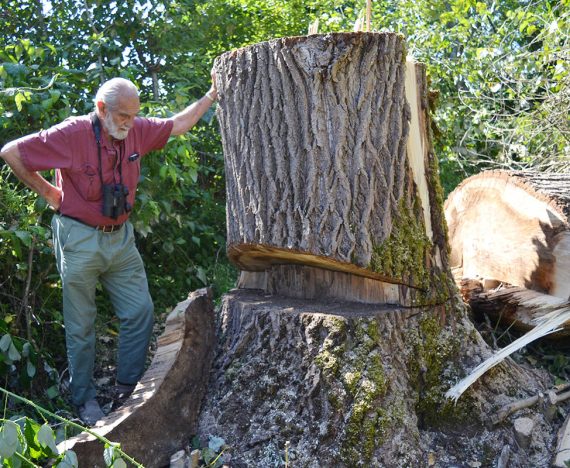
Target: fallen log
146,427
512,227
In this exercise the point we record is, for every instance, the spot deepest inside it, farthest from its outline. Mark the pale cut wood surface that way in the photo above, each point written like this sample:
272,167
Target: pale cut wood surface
512,227
305,282
417,146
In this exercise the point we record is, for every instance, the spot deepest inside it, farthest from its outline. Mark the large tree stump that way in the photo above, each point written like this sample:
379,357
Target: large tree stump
347,330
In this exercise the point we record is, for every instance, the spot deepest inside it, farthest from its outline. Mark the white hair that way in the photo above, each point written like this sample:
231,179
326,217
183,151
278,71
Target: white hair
111,90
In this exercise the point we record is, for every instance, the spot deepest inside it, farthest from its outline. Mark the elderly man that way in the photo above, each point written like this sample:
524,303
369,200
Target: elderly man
97,161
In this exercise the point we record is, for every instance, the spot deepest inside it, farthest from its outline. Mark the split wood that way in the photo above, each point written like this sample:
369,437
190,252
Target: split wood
548,399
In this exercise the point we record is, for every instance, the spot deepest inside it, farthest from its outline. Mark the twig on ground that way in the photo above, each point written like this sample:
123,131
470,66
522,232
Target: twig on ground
550,398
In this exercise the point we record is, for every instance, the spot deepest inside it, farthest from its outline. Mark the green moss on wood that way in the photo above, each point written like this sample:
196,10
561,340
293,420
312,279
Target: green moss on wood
404,254
365,382
329,358
434,348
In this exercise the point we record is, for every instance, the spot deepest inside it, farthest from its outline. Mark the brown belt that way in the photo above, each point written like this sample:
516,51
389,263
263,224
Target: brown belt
101,227
109,227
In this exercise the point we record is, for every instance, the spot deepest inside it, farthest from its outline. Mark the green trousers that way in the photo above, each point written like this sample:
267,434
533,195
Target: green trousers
86,256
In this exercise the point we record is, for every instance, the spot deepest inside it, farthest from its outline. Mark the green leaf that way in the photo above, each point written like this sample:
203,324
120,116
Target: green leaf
193,174
25,237
172,173
5,342
46,438
9,443
119,463
110,454
208,454
31,429
13,353
26,349
52,392
182,151
19,99
216,443
30,369
69,460
201,274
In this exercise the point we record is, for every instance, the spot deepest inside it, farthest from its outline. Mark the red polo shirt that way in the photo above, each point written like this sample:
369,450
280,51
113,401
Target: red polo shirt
70,148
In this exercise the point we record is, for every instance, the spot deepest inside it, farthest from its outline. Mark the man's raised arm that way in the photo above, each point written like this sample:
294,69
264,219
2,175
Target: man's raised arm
185,120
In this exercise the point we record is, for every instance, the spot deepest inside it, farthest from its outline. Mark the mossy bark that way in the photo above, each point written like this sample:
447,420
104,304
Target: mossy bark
345,384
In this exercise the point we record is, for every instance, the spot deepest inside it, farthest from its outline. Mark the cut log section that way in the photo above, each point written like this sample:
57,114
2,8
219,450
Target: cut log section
329,165
512,227
145,426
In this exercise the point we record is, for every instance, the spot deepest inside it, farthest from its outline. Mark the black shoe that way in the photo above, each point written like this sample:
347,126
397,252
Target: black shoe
121,392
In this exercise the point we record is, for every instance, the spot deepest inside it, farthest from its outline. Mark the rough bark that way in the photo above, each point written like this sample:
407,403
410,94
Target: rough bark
154,421
320,166
345,384
306,175
512,227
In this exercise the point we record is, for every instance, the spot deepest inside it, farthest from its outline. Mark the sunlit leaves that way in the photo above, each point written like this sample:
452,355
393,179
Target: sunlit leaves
9,439
69,460
112,456
8,349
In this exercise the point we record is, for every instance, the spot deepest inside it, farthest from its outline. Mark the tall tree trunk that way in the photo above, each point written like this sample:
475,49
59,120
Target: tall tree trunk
347,330
315,134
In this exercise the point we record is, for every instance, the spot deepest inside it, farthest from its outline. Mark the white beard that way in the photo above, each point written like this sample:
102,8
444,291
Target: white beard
113,129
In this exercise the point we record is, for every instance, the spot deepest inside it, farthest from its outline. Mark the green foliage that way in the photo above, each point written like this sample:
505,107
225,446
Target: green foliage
210,453
24,441
498,69
30,321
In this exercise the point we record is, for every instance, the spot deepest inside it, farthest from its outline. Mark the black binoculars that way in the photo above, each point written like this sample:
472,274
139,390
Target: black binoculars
115,200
